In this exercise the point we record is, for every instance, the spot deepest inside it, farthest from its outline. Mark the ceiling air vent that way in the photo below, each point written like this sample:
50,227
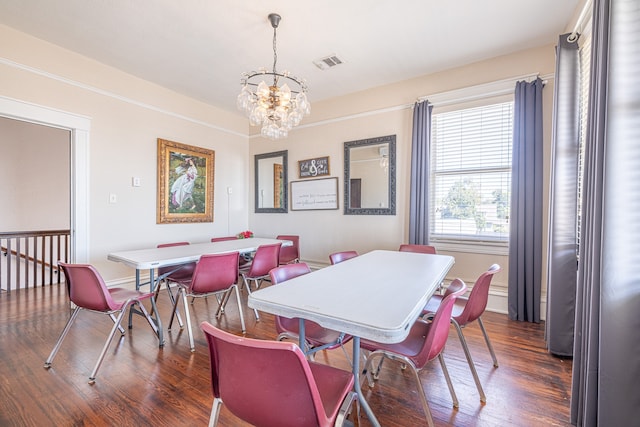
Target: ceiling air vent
327,62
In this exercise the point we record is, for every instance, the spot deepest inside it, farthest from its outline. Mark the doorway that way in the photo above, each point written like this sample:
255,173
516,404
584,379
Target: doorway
78,126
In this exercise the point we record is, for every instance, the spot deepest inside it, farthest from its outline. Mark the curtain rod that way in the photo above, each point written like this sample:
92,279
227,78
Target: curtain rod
484,90
584,14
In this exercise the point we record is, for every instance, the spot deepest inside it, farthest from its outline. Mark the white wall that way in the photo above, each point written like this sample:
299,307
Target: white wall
127,116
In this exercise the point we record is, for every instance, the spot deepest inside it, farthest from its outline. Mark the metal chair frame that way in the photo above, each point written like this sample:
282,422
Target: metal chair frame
118,306
222,295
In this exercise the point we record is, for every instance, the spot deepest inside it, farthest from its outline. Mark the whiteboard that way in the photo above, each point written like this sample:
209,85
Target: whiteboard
314,194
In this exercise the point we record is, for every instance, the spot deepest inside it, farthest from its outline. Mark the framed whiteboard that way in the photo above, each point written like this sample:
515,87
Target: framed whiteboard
314,194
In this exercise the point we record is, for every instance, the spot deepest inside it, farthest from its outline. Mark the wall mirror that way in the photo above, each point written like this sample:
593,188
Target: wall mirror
370,176
271,182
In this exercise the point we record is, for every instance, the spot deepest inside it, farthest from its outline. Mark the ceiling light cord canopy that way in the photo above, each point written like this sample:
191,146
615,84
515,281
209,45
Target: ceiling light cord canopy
277,108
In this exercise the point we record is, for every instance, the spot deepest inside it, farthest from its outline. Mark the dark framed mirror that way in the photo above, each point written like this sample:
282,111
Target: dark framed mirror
271,195
370,176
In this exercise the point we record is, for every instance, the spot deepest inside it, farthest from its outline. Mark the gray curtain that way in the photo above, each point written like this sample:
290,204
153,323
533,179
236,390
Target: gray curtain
606,364
525,235
420,166
562,255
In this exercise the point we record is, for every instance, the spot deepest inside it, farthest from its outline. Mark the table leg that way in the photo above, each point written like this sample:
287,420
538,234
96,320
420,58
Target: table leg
358,389
356,372
301,336
154,309
152,287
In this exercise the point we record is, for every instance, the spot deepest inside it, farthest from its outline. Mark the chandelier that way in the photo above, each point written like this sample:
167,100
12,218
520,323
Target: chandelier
275,105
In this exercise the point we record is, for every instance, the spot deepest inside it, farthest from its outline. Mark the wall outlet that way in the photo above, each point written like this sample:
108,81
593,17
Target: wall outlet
113,198
229,190
135,181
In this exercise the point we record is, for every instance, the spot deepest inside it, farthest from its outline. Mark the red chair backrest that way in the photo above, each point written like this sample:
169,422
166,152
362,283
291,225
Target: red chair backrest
184,272
289,253
223,239
266,383
215,272
289,271
338,257
422,249
439,331
87,288
282,274
478,297
266,258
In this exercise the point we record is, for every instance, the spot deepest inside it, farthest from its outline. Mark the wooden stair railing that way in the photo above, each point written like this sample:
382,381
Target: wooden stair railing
31,255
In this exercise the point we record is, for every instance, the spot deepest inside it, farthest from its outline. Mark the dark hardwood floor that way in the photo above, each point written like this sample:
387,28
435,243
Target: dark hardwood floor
140,384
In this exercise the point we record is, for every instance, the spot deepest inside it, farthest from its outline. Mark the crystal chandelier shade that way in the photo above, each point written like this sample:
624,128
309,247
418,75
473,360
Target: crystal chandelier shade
276,100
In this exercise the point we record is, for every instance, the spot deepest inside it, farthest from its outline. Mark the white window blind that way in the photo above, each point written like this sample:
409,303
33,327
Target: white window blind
471,174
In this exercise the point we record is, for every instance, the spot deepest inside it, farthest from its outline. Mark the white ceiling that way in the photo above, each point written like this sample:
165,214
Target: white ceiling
201,47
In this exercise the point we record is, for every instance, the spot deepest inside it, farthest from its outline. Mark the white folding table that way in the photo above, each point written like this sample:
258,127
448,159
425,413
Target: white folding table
377,296
152,258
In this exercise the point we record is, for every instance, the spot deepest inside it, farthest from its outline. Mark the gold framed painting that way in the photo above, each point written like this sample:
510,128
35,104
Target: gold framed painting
185,183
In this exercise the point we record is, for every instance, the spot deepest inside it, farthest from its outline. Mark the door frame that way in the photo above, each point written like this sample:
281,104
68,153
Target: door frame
79,127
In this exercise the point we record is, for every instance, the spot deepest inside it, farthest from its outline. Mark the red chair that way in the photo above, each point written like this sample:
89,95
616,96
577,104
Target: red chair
87,291
215,274
338,257
425,342
266,258
289,254
315,335
223,239
174,274
242,261
465,311
272,384
421,249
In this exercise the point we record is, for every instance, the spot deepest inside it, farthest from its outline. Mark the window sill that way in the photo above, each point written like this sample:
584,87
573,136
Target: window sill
490,248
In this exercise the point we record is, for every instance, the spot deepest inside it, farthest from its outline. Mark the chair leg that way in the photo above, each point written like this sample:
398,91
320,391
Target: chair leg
172,298
174,309
425,404
120,328
247,285
486,338
65,331
368,367
222,301
215,412
456,404
147,316
472,366
92,378
376,375
235,288
192,345
345,409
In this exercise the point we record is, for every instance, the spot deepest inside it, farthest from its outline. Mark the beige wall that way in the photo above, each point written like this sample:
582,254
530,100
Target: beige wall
128,115
34,174
385,111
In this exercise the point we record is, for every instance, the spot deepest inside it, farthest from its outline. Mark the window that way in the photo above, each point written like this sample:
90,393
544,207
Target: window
471,174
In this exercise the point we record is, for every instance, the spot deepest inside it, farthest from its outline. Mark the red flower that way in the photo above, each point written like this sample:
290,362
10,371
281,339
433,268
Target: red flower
245,234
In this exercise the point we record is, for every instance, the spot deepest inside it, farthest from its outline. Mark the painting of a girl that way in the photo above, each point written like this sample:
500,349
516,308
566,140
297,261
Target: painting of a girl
182,188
